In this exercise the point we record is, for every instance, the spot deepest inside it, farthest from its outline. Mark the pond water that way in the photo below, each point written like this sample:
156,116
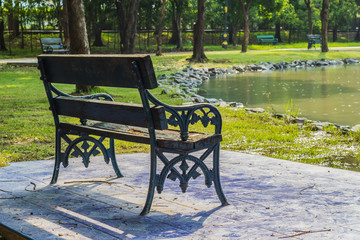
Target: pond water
325,94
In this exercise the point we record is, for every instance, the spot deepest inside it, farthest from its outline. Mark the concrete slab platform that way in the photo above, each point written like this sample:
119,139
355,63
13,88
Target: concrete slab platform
30,62
270,199
24,63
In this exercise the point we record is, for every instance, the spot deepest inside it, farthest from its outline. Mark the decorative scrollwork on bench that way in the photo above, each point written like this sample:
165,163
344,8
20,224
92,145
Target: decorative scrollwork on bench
183,116
85,150
170,171
206,118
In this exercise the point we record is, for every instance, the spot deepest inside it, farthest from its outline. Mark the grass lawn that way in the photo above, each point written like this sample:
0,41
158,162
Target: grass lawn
27,128
226,58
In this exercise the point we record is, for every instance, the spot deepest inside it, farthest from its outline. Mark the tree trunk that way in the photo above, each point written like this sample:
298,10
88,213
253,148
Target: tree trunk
96,19
98,41
335,31
278,32
16,21
2,39
22,46
127,17
10,18
199,30
245,42
65,17
160,29
290,35
235,32
231,34
309,13
357,36
2,29
78,35
324,25
245,5
176,38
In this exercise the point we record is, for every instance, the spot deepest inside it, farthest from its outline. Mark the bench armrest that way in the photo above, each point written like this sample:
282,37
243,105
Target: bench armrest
47,49
96,96
183,116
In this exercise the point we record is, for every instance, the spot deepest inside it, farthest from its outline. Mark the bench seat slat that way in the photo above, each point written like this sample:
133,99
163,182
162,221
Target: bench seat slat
107,111
169,139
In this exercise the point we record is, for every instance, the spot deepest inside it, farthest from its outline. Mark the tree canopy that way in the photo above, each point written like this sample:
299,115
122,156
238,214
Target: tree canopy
127,17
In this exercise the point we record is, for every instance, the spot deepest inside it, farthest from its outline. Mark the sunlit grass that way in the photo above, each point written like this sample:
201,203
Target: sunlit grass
26,124
231,58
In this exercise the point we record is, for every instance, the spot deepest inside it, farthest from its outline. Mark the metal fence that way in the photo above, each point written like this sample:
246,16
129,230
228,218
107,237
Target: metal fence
146,39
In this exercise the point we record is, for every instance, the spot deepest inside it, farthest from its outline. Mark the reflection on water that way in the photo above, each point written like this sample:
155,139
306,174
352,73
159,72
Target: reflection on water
325,94
349,163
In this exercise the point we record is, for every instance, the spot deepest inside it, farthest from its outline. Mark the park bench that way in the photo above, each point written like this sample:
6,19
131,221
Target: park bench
100,118
267,39
53,45
313,39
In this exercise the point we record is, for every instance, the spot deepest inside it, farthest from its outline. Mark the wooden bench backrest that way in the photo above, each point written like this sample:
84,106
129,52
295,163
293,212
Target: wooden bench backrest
113,112
54,43
313,36
102,70
265,36
51,41
99,70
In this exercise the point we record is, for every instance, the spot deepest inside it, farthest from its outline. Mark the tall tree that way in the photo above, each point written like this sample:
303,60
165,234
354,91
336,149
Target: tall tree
2,28
284,15
127,16
357,36
235,17
177,7
199,30
96,13
13,18
245,5
324,25
160,28
309,14
65,19
78,35
77,27
342,15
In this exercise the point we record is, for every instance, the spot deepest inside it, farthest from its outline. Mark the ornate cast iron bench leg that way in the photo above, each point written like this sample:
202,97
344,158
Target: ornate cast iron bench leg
216,174
57,157
152,183
83,151
182,117
210,175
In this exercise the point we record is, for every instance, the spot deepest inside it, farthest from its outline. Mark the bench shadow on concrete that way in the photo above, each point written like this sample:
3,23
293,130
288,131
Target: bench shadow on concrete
89,220
99,208
269,199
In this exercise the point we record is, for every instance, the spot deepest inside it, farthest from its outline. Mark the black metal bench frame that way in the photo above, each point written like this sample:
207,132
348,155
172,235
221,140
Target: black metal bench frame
149,120
53,46
313,39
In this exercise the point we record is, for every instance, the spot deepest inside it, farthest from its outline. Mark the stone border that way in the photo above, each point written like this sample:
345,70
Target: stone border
186,83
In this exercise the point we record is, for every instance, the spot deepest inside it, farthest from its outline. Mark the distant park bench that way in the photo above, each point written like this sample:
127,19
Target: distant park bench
53,46
313,39
99,115
267,39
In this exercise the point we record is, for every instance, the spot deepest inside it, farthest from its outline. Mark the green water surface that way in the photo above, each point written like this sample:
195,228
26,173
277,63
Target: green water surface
329,93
